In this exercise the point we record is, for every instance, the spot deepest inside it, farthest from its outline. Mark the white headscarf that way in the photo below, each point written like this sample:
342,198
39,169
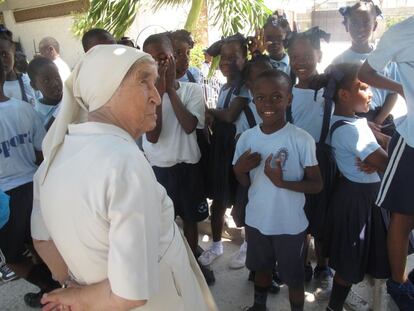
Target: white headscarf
90,86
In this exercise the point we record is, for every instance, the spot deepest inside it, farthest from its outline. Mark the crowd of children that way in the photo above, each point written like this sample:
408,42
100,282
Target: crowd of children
296,153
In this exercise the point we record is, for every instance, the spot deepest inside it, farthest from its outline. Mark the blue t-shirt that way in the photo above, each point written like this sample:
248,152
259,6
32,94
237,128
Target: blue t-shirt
21,133
46,112
390,71
282,65
351,141
270,209
307,113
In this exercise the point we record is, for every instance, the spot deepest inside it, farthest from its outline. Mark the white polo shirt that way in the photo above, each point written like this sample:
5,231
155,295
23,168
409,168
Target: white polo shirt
397,45
270,209
174,145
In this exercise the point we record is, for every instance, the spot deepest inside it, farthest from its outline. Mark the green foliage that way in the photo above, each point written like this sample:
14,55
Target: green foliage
197,56
392,20
113,15
239,15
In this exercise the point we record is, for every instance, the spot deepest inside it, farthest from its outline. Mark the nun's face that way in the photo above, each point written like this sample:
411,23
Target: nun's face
136,100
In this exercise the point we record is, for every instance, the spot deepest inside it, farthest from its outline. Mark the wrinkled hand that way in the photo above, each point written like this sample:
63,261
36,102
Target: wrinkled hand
161,83
275,174
365,167
63,299
170,74
247,162
257,43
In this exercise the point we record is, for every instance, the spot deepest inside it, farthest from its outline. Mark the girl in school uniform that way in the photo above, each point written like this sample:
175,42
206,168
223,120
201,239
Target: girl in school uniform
360,21
309,112
356,233
233,97
17,85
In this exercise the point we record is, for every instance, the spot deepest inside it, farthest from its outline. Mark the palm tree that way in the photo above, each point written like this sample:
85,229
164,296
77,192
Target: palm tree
117,15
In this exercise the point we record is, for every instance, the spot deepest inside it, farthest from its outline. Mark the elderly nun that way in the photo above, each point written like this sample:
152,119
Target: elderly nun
100,220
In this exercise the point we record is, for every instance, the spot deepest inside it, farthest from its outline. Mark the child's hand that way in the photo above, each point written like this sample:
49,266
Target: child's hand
374,126
247,162
162,70
209,118
171,74
275,174
257,43
365,167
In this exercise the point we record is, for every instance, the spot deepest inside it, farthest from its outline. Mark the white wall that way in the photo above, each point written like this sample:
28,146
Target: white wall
30,33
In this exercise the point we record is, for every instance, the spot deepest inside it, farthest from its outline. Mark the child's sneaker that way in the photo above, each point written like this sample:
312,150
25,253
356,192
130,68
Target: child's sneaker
354,302
402,294
324,280
208,256
238,260
7,274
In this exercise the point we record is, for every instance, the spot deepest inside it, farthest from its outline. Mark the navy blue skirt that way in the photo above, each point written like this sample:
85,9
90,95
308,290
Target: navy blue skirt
356,235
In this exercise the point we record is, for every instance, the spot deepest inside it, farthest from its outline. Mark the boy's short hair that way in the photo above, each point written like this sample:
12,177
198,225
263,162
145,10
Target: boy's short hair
348,72
94,34
182,35
35,65
158,38
275,74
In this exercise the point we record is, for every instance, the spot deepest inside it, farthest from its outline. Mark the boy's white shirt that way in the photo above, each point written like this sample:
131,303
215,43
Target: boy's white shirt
174,145
272,210
397,45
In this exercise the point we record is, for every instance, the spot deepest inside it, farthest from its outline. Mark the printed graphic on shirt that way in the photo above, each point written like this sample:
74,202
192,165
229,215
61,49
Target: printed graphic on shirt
15,141
282,155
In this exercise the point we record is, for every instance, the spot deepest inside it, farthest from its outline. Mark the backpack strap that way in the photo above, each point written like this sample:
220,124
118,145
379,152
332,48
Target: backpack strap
327,113
22,90
228,97
249,116
190,77
337,125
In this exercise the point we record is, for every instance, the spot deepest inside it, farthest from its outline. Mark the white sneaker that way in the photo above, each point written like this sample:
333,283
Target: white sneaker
238,259
7,274
208,256
354,302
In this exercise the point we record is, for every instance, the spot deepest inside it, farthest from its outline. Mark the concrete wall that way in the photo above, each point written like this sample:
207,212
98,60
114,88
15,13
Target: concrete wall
30,33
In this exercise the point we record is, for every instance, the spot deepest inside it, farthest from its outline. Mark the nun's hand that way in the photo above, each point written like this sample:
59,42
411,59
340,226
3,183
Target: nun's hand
64,299
275,174
170,78
246,162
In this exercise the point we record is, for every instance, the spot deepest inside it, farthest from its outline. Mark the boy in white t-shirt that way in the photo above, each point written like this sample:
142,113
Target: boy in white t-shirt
44,77
277,161
172,147
21,135
396,195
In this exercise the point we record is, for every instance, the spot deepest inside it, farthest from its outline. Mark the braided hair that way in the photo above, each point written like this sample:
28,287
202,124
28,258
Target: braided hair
347,11
215,49
278,20
314,35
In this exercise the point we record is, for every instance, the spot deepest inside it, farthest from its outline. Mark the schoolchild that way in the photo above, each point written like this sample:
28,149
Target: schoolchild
96,36
233,96
360,21
182,44
277,161
21,135
16,85
395,194
356,232
44,77
172,147
310,112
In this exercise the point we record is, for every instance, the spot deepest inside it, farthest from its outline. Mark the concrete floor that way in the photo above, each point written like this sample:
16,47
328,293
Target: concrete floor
232,291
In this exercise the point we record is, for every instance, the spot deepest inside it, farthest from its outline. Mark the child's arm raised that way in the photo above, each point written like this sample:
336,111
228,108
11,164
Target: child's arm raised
246,162
370,76
231,113
187,120
311,182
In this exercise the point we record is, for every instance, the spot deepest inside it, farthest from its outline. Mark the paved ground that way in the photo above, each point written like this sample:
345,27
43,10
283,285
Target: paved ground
232,291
